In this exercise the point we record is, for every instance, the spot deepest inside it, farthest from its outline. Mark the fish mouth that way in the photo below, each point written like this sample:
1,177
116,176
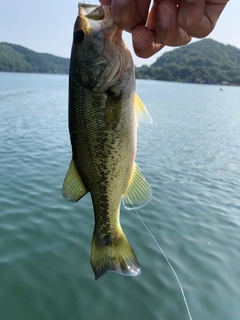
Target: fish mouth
94,17
91,16
111,54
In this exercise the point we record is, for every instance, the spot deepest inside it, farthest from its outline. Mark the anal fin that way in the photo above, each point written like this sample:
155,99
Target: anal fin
138,193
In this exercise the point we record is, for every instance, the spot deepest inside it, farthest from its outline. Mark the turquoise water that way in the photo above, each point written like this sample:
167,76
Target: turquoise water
191,157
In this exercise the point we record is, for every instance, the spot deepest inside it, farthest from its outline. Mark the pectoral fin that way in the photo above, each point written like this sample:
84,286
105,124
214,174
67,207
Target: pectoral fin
141,111
73,186
138,193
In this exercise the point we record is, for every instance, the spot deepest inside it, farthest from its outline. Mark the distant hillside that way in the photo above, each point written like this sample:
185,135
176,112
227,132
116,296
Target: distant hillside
15,58
205,61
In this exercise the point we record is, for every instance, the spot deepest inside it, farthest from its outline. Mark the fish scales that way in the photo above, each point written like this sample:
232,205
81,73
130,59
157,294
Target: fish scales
102,126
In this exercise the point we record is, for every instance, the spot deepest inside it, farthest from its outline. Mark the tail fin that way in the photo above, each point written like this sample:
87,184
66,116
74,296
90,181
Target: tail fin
113,253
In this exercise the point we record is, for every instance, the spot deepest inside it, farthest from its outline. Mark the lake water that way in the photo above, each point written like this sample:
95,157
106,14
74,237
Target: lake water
190,155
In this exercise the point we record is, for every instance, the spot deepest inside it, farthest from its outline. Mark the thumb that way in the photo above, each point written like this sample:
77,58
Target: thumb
145,43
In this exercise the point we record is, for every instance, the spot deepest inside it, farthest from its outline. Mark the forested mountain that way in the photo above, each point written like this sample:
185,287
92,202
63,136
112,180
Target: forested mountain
15,58
205,61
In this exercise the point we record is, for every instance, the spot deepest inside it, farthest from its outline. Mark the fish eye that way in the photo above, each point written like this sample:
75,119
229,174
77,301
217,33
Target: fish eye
78,35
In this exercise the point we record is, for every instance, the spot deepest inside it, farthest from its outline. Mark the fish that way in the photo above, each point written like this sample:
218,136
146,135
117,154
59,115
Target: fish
103,115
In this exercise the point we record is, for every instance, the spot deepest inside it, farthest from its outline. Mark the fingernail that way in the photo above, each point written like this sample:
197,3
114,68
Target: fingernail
139,40
165,16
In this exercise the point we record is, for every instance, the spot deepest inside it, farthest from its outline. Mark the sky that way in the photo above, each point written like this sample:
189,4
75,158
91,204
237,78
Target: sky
46,26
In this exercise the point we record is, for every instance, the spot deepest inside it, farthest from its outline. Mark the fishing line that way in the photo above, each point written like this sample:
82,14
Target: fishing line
168,262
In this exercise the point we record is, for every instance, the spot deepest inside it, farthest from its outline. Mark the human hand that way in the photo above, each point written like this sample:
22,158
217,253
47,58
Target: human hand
169,22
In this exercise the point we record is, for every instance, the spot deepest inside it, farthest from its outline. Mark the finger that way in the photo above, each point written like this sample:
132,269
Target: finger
105,2
130,13
198,17
168,31
145,43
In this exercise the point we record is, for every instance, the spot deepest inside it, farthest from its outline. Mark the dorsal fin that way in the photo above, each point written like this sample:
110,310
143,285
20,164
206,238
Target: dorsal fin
73,186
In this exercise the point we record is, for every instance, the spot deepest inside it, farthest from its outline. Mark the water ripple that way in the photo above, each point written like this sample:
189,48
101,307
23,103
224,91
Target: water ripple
189,155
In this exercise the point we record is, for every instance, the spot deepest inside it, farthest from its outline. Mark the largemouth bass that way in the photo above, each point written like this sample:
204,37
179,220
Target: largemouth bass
103,115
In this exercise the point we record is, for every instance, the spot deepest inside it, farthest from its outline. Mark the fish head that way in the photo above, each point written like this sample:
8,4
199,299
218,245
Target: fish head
99,56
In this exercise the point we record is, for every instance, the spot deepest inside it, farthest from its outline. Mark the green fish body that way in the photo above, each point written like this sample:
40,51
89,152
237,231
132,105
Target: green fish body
103,116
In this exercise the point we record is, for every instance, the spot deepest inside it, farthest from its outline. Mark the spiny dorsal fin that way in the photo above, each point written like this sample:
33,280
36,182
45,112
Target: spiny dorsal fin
73,187
138,193
141,111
